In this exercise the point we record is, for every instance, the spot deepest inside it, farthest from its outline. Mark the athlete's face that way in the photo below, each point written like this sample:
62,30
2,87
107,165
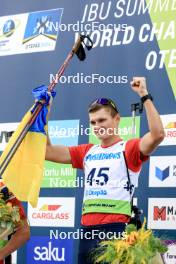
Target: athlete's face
103,124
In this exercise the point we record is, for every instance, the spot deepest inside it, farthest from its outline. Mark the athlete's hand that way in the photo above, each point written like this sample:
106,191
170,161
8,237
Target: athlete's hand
138,85
41,94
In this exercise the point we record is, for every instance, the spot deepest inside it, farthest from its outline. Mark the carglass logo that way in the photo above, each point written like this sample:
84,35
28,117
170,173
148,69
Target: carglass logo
169,123
53,211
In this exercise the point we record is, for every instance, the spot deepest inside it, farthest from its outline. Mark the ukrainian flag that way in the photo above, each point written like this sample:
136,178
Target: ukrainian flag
24,172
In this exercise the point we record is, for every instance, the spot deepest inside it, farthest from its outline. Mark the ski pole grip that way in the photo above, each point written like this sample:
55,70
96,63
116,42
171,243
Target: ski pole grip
77,45
134,107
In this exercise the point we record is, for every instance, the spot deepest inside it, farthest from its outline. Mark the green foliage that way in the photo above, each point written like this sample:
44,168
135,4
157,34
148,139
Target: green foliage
3,243
9,218
137,247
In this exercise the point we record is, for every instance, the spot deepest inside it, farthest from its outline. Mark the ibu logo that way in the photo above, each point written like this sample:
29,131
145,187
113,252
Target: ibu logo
42,249
162,174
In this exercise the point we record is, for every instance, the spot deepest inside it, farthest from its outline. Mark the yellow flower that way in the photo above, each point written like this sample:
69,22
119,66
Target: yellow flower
137,247
132,237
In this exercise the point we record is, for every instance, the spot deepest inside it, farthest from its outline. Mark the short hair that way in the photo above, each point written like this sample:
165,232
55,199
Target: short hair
103,103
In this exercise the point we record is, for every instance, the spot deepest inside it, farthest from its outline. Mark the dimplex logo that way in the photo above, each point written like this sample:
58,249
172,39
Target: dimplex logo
164,213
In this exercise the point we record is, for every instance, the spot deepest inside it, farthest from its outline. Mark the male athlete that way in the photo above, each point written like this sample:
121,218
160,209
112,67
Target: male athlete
106,203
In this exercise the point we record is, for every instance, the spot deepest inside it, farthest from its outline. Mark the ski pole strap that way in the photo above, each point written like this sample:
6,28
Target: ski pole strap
129,181
89,46
80,52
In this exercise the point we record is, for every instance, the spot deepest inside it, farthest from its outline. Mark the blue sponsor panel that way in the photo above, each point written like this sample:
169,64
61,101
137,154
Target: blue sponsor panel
42,249
43,23
64,132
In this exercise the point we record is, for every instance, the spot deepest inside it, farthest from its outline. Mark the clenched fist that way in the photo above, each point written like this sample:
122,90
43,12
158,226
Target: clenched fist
138,85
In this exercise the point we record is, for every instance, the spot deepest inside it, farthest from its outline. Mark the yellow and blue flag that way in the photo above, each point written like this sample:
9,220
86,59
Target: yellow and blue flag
23,174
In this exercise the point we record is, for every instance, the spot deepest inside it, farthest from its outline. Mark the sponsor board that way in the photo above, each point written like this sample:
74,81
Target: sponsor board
11,33
162,171
53,211
162,213
42,249
4,137
64,132
169,123
29,32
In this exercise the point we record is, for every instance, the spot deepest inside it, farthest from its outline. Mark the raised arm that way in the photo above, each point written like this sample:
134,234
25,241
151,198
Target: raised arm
156,133
57,153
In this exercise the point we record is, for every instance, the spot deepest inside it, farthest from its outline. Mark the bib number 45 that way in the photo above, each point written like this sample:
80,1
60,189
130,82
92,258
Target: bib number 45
98,176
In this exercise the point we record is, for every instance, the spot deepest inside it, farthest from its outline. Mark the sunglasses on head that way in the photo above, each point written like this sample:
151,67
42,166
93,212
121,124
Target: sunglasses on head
104,101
